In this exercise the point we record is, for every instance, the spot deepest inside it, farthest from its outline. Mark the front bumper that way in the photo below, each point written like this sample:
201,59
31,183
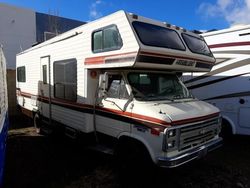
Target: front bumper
171,162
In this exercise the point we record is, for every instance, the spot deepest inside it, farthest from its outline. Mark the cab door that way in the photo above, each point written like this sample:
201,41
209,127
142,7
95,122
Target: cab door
114,105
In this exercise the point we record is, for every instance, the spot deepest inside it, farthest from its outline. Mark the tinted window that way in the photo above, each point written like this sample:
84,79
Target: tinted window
196,45
21,74
106,39
45,74
153,35
97,38
65,79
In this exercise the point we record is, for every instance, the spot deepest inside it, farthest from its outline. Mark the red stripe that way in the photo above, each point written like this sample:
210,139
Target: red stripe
100,59
230,44
191,120
171,56
138,117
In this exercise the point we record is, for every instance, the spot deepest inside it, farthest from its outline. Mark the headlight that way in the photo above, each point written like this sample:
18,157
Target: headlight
171,133
170,140
171,144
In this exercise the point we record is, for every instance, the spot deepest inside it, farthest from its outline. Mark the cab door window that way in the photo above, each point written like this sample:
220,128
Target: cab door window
117,87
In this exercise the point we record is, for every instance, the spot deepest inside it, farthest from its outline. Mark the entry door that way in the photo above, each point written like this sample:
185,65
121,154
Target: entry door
45,88
113,110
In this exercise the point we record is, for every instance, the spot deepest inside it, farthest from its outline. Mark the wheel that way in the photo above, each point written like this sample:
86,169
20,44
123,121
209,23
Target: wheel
226,130
37,123
41,127
132,156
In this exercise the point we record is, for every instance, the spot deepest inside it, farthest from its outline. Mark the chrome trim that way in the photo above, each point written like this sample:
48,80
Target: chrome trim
171,162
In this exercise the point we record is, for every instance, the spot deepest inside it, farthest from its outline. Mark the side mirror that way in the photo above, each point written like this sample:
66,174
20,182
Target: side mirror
103,85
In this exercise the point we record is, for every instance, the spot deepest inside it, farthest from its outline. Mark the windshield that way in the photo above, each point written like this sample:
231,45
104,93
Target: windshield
153,35
196,45
157,86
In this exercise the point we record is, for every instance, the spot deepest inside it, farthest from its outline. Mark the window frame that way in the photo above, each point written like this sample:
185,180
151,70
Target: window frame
72,60
18,74
102,30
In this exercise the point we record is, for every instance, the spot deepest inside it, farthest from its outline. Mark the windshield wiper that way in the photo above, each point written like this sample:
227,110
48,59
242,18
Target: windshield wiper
159,98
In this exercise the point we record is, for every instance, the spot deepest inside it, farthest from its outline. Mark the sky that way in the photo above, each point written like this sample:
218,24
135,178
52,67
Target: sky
190,14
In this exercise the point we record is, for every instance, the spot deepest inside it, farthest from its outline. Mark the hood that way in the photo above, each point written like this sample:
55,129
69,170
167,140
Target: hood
178,112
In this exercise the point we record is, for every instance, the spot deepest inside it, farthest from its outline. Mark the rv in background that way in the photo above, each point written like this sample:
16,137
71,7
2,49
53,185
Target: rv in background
115,80
3,113
227,86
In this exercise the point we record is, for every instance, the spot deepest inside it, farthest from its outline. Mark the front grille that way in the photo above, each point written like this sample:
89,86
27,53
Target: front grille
188,136
196,134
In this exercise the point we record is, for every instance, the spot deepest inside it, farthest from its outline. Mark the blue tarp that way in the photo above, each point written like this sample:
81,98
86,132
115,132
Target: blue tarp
3,139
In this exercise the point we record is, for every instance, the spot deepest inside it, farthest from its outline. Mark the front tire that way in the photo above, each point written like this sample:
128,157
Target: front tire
133,156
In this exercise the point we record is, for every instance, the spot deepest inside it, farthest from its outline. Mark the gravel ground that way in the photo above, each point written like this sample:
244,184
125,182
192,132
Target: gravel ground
35,161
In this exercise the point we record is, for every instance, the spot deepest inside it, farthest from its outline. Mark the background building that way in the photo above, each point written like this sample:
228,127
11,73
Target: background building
21,28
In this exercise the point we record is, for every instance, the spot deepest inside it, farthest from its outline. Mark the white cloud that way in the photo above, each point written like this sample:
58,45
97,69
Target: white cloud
94,13
233,11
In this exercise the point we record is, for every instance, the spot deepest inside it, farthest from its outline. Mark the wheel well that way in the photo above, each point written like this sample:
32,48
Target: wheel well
134,151
125,141
226,127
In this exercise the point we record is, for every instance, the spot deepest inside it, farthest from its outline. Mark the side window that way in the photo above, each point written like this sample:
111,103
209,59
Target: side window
65,79
117,87
106,39
45,81
97,39
21,74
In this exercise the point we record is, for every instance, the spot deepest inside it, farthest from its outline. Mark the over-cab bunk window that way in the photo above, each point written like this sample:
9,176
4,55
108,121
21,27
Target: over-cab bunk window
106,39
157,36
197,45
65,79
21,74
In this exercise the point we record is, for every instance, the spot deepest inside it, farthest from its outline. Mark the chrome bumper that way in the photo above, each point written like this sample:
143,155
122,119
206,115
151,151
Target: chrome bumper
196,153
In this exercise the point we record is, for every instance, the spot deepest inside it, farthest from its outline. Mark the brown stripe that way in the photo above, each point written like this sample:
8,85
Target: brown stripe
171,56
134,116
230,44
220,70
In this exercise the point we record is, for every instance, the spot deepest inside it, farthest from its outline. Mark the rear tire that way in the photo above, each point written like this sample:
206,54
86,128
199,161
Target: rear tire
37,124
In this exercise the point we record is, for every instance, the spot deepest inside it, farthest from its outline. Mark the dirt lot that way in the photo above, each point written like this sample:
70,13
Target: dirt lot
50,162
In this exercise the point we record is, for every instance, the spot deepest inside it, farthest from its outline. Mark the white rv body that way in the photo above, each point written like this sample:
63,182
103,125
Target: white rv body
88,101
227,85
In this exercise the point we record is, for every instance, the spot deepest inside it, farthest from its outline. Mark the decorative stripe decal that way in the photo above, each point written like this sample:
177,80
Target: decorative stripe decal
101,59
117,114
186,121
215,81
155,60
173,57
232,95
230,44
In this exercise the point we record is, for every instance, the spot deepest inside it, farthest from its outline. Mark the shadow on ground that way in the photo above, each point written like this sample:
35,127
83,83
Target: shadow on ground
41,161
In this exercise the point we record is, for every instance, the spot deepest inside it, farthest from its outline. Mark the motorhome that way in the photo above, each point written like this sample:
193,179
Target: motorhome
227,85
4,121
117,79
